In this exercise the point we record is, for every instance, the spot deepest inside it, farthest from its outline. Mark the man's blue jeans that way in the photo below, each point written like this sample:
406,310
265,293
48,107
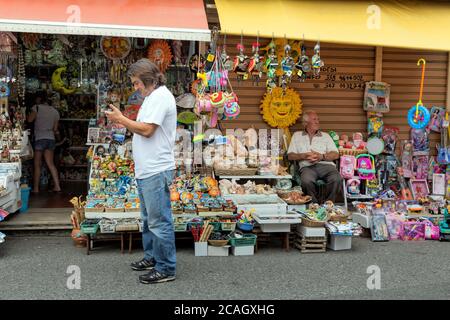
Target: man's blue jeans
158,235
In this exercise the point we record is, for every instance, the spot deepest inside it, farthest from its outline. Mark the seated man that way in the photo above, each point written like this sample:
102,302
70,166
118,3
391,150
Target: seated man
316,152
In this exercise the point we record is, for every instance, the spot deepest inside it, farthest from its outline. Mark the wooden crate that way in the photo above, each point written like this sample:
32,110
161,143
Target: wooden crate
311,244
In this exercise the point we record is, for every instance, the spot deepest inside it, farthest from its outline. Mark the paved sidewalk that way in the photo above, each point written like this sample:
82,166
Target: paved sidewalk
34,267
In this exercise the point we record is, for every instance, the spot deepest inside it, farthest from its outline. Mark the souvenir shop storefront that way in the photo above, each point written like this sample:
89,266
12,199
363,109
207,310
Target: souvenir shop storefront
78,54
240,100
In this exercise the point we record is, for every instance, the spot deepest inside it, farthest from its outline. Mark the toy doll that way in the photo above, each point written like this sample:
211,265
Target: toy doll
420,142
407,158
358,141
353,186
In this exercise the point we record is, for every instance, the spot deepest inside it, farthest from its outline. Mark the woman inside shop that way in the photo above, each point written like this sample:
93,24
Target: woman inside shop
45,118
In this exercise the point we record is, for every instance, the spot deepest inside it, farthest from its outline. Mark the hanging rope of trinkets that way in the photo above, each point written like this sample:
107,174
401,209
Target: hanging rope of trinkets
21,77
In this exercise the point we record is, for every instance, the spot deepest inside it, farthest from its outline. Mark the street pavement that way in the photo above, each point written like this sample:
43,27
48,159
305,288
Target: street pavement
36,266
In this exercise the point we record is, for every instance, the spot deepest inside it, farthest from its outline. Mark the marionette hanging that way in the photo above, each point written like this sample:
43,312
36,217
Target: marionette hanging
287,65
317,62
226,61
303,66
241,63
256,63
271,66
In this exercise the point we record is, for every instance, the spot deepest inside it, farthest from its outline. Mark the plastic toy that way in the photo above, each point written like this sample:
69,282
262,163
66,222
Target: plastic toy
420,167
287,65
444,225
358,141
353,186
432,232
407,158
375,145
347,166
437,115
390,139
365,166
443,156
420,142
394,224
418,115
335,138
378,227
376,96
413,230
375,123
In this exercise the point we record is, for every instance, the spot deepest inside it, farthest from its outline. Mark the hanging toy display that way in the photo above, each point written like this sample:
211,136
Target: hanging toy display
287,65
241,63
303,66
256,64
271,66
317,62
418,115
213,100
159,52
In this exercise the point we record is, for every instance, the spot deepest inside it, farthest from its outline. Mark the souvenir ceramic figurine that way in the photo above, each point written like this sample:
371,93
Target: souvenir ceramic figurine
317,62
303,66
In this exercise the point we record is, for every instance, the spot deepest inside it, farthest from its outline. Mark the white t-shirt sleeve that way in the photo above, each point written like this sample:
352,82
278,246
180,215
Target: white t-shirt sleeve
294,146
154,111
331,146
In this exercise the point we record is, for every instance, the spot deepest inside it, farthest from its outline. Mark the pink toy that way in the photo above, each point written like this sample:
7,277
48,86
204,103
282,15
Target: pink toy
365,166
413,230
353,186
394,223
432,232
347,165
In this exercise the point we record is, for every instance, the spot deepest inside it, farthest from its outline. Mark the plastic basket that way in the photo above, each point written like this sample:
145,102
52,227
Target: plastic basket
246,240
216,225
228,226
89,227
107,226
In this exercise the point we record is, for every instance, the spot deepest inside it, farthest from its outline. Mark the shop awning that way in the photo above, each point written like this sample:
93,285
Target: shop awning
408,24
168,19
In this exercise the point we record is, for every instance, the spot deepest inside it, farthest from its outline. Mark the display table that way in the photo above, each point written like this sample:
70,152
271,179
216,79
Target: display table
118,236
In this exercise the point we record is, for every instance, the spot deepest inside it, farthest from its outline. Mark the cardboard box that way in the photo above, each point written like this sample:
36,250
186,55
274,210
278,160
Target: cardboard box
243,251
218,251
339,242
311,232
201,249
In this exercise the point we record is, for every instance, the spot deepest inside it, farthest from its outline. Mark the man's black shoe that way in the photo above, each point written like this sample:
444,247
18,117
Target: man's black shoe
155,277
143,265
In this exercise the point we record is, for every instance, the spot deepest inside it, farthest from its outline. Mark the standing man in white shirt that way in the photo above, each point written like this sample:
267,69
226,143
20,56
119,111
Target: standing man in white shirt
153,144
316,152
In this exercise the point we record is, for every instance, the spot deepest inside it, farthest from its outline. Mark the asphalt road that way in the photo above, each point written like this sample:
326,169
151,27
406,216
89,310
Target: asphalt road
35,267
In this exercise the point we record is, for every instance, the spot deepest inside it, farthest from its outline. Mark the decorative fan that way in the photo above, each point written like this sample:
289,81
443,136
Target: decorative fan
115,47
159,52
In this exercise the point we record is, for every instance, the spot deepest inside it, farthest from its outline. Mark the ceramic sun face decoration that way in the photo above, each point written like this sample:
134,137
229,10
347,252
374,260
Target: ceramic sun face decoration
281,110
159,52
